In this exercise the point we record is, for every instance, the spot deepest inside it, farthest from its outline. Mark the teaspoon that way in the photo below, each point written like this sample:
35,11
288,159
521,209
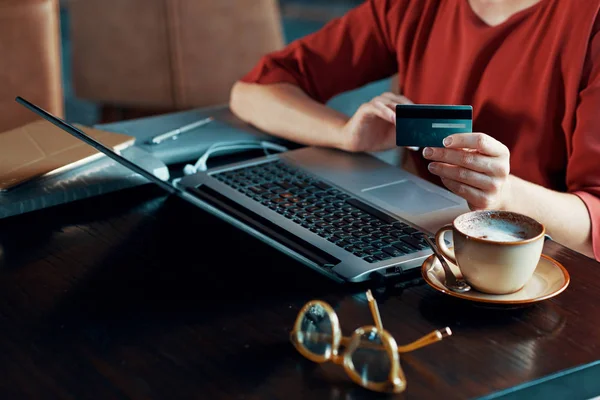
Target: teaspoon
452,282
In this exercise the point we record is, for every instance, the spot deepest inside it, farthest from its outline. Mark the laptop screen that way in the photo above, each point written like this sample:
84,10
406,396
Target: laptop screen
97,145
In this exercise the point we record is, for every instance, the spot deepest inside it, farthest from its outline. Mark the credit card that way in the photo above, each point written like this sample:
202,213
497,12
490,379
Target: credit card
426,125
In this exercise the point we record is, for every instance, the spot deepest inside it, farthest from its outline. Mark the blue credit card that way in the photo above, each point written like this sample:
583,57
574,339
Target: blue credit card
426,125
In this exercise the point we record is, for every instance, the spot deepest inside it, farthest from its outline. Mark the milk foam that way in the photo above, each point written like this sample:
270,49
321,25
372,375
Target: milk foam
498,230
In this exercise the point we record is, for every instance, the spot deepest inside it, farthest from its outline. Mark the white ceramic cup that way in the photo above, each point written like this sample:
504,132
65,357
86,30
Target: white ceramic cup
496,251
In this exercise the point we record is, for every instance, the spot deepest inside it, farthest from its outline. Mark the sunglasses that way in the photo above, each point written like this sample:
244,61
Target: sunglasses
369,357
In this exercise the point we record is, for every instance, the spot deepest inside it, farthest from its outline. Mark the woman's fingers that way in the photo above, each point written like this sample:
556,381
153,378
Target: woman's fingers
494,166
481,142
390,115
371,109
476,198
396,98
469,177
390,100
474,166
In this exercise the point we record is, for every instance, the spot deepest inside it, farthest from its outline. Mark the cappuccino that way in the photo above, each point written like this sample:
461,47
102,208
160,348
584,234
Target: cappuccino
497,226
499,231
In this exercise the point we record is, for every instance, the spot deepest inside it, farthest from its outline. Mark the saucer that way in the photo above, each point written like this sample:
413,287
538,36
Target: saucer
549,279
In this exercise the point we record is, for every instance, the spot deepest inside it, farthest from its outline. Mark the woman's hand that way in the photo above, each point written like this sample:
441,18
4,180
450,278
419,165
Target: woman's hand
373,126
474,166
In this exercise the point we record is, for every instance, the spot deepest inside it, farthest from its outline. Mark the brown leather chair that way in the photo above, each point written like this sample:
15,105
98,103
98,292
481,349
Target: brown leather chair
30,64
164,55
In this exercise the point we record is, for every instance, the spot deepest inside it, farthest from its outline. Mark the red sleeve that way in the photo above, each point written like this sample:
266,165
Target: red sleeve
347,53
583,168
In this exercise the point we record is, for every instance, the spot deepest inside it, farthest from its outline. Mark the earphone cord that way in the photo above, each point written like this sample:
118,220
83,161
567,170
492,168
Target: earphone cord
201,164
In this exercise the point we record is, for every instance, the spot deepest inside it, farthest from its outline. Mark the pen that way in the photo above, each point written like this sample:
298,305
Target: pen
176,132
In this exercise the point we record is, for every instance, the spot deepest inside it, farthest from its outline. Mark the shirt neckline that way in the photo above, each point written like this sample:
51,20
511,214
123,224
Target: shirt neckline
520,14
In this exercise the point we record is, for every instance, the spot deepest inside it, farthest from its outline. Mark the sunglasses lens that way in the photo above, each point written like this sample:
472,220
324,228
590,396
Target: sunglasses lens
370,360
316,331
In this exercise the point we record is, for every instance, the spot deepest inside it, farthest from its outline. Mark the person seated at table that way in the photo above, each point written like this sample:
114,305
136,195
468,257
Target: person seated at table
529,68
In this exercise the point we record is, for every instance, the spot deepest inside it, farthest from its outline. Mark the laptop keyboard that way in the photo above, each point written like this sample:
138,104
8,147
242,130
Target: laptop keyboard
337,216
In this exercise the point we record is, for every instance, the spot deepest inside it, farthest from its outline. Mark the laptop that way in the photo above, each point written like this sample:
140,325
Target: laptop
349,216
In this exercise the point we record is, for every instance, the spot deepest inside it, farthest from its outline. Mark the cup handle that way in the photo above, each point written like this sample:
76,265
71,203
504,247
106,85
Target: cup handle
441,243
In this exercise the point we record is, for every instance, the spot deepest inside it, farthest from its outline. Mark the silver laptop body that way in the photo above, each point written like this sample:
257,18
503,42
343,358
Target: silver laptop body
385,190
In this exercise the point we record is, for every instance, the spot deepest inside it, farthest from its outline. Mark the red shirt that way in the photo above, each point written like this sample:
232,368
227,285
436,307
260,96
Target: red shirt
533,81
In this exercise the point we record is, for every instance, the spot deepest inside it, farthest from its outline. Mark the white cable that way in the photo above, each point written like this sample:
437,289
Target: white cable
200,165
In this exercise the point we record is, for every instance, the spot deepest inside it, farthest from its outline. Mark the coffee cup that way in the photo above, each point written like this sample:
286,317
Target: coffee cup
496,251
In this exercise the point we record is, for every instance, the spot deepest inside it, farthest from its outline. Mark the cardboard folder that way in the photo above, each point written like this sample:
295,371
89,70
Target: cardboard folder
40,149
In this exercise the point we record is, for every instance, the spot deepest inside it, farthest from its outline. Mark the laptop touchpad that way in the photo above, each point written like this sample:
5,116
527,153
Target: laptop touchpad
408,197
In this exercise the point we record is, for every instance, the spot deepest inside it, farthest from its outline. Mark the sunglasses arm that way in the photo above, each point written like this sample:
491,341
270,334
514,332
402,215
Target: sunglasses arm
426,340
374,311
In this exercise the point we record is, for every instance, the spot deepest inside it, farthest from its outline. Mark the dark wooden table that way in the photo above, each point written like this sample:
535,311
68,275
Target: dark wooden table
139,295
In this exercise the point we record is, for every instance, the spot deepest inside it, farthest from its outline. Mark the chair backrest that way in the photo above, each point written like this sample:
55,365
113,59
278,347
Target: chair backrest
168,53
30,65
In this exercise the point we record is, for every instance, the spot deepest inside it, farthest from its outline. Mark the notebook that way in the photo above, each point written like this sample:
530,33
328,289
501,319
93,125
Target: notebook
41,149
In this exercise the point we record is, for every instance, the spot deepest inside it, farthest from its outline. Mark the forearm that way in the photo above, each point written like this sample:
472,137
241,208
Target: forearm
284,110
565,215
